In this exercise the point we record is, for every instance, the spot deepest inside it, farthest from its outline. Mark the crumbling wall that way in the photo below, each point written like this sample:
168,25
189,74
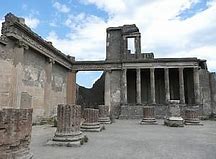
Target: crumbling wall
15,133
6,74
59,87
115,92
213,91
33,73
205,93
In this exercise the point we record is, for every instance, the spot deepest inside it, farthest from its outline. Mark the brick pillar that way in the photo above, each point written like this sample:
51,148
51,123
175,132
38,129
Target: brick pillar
196,85
68,126
91,120
167,88
192,116
148,115
181,85
104,114
124,86
138,86
71,87
15,133
152,82
48,87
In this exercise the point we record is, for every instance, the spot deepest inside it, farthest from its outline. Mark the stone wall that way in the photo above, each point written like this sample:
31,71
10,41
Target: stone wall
213,91
15,133
205,93
33,73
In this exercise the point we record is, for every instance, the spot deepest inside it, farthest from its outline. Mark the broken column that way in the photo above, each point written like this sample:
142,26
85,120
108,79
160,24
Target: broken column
104,114
173,118
68,126
148,116
192,116
15,133
91,123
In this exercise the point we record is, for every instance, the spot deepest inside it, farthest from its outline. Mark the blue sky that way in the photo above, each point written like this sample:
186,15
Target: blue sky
169,28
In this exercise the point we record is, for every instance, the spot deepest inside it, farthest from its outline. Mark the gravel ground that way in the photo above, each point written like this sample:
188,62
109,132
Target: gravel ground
126,139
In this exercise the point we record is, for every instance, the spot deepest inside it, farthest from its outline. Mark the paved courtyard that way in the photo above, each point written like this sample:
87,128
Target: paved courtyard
126,139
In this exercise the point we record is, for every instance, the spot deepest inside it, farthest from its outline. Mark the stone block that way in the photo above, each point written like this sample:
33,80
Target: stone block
174,122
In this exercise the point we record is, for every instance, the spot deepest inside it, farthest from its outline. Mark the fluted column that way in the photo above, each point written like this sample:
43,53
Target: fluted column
167,88
196,85
138,86
124,84
181,85
152,82
68,126
91,120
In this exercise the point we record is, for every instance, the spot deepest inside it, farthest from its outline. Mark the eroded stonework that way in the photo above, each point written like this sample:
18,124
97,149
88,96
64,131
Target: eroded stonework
15,133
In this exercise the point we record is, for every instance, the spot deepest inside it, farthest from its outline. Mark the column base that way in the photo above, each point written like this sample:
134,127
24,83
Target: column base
174,122
193,122
148,121
21,154
105,120
67,140
91,127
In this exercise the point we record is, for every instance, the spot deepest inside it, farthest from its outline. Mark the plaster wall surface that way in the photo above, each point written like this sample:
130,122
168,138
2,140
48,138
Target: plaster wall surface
205,93
115,92
213,91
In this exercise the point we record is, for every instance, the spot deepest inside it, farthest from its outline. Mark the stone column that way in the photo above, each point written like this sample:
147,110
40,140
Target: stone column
48,87
167,88
68,126
196,85
192,116
104,114
148,116
138,46
138,86
91,123
15,133
124,85
71,87
107,95
181,85
152,82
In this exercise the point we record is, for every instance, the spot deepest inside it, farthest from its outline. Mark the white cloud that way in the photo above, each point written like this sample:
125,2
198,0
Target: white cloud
32,22
61,7
162,32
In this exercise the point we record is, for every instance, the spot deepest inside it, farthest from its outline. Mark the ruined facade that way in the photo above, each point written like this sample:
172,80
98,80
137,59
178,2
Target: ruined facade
33,73
134,79
143,80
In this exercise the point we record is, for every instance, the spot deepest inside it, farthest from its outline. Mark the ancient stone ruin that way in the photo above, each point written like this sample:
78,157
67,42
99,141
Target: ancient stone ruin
104,116
192,116
34,74
148,116
68,126
15,133
132,79
91,123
